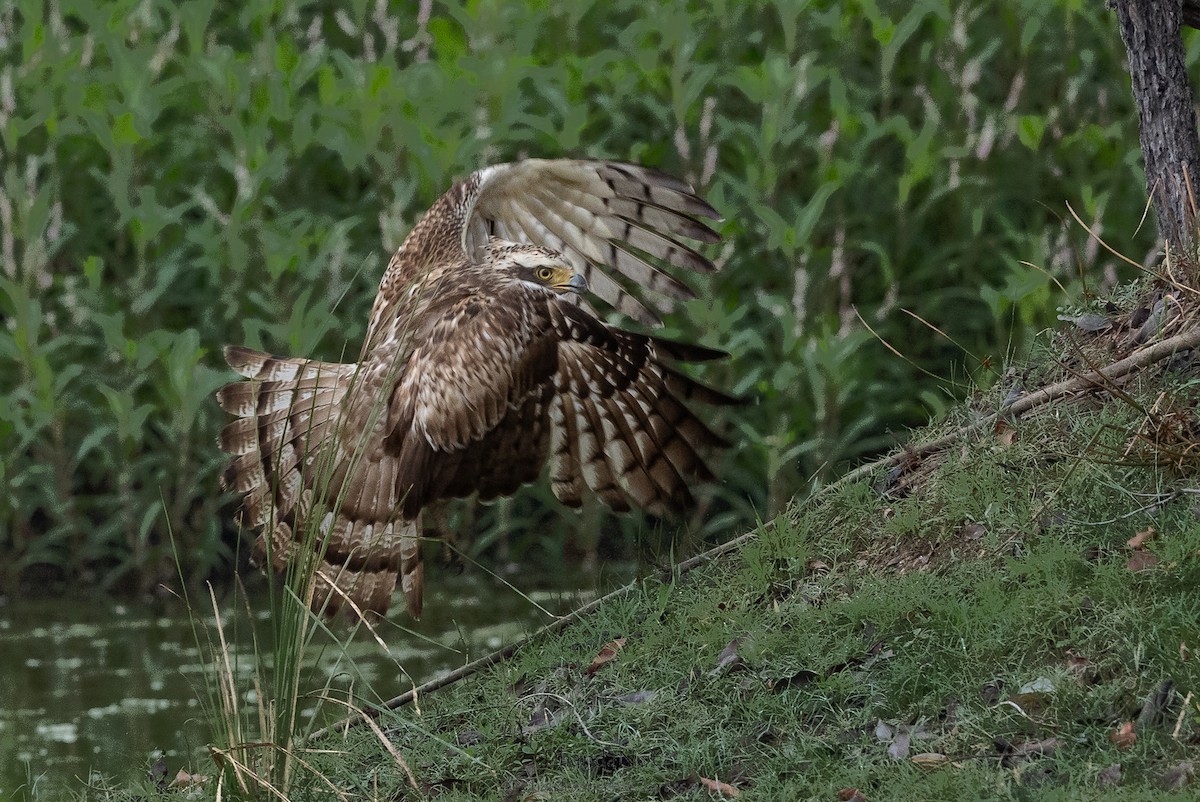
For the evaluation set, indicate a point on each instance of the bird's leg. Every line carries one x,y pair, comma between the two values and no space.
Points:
589,532
503,522
437,526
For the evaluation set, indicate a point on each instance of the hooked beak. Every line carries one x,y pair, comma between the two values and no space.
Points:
578,284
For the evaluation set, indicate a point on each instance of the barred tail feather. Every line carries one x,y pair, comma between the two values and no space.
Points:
283,412
293,459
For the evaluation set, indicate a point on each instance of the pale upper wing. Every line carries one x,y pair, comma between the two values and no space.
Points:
616,223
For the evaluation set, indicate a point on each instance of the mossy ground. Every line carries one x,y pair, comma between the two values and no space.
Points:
988,616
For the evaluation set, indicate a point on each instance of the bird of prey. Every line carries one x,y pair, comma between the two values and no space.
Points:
482,363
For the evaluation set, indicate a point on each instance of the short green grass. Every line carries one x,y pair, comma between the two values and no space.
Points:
991,608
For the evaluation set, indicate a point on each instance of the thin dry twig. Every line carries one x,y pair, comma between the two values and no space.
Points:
387,743
1148,271
1183,711
239,767
228,692
892,348
220,755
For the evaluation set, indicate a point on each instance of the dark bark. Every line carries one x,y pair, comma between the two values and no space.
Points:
1167,116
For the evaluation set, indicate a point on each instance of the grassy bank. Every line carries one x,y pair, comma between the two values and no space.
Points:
1014,616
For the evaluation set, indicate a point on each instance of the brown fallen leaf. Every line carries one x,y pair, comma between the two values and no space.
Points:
724,789
1142,561
1139,540
851,795
1123,737
606,655
1077,664
183,779
1012,755
1043,747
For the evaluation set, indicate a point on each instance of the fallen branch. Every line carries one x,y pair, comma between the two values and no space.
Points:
1097,378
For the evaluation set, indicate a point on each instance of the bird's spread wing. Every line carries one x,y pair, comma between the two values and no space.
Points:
497,381
620,426
524,381
612,221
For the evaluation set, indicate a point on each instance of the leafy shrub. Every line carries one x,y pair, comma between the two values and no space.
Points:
179,176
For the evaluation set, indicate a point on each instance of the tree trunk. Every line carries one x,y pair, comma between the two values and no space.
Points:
1167,116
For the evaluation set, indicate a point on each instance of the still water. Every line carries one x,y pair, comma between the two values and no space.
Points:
100,689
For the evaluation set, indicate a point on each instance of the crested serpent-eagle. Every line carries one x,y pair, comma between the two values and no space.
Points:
481,363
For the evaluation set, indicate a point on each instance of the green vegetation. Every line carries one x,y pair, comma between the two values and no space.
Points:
1011,617
982,628
176,177
179,176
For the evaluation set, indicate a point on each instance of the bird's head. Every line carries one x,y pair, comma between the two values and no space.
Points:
557,277
541,267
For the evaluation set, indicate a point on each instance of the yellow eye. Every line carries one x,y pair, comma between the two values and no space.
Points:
545,273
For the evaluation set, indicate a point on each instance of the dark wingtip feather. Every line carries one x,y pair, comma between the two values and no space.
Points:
664,179
688,352
691,390
237,355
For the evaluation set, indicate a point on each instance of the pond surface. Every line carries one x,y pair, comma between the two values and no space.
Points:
100,689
